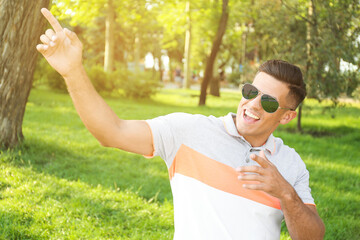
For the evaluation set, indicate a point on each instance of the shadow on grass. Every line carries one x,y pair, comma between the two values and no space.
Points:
338,204
110,168
320,132
15,226
47,207
334,177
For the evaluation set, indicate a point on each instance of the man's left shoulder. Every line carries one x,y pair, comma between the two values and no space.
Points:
285,151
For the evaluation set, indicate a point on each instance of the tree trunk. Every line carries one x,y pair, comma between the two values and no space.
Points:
187,73
215,86
21,24
137,46
308,57
109,38
215,80
214,50
311,30
299,128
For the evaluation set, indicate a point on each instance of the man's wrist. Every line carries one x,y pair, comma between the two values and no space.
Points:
74,73
76,80
289,195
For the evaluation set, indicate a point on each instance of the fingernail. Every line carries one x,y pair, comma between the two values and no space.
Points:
53,38
252,155
240,177
46,47
52,44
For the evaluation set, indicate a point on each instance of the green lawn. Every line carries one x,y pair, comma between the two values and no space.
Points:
61,184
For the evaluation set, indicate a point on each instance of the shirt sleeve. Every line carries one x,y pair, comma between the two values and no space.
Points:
166,136
302,185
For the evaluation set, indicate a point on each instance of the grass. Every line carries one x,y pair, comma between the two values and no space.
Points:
61,184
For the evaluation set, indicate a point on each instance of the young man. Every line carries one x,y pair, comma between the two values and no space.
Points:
230,177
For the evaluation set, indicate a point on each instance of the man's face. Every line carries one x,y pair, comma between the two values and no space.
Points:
248,111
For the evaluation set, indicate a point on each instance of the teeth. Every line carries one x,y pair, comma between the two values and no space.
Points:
251,115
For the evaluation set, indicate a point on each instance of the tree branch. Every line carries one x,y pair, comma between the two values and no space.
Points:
296,12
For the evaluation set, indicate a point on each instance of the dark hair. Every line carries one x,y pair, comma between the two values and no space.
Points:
289,74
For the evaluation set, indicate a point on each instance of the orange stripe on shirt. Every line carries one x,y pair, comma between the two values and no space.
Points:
191,163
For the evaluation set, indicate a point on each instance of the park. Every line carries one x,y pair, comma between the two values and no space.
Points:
58,182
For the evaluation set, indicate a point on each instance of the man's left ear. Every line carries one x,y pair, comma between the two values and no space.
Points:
288,116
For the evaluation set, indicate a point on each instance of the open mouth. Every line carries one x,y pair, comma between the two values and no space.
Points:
250,117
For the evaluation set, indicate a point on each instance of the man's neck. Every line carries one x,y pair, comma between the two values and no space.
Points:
254,141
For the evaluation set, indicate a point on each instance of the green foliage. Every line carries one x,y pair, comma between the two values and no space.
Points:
356,93
100,79
235,78
257,31
134,20
122,81
140,85
130,84
352,82
45,75
247,76
317,42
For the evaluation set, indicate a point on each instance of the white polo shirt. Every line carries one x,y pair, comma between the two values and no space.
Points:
201,154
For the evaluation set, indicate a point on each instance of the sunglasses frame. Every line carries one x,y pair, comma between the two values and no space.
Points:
262,94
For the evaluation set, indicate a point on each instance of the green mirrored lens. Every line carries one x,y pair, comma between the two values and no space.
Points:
269,103
249,91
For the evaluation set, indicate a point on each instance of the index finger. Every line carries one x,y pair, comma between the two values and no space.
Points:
261,160
52,20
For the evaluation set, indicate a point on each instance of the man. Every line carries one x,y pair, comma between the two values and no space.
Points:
221,188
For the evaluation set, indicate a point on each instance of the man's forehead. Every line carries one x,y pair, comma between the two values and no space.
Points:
267,84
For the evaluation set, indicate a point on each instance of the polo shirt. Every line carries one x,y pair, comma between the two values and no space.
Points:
201,154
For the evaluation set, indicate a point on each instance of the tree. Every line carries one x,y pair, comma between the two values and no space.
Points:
331,35
173,23
21,24
214,50
109,38
187,50
129,24
315,35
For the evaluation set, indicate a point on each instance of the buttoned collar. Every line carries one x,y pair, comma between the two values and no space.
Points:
231,129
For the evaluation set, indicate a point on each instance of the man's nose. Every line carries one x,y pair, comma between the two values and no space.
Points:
255,103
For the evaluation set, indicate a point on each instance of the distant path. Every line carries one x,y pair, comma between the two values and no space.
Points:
171,85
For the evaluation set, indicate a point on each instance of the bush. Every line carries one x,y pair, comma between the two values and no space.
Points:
56,81
140,85
356,93
132,84
249,71
234,78
46,75
99,78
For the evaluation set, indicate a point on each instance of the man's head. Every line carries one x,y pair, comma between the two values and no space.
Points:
280,80
289,74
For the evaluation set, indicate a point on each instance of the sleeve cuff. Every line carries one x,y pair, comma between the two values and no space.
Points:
152,139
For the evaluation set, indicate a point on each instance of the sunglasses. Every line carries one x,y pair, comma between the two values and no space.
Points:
268,103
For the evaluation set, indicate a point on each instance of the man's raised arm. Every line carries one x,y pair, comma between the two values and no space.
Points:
63,50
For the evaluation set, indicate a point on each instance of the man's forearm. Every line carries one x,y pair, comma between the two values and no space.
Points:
97,116
301,221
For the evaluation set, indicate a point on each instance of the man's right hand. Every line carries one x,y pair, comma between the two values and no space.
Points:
62,48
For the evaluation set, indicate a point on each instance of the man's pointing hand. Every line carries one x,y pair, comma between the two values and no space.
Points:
62,48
